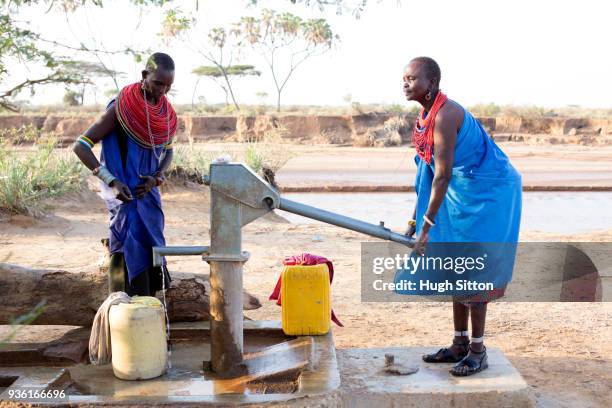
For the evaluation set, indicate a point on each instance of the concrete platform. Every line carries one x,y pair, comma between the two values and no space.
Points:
282,370
364,384
334,378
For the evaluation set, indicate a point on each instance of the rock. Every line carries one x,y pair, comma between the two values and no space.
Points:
393,368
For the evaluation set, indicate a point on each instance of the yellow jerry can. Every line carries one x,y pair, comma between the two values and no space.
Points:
305,300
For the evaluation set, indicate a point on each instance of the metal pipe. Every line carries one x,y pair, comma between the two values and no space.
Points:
160,251
226,319
378,231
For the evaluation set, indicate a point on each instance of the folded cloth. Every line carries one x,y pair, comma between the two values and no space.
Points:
100,340
305,259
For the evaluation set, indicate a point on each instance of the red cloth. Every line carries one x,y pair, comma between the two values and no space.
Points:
423,133
305,259
161,124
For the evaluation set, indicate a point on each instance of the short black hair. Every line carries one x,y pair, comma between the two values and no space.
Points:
160,60
431,67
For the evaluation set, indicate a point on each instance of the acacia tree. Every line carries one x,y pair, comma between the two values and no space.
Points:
222,50
22,46
221,76
89,72
285,38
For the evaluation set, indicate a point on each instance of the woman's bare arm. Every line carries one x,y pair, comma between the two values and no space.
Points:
96,132
448,122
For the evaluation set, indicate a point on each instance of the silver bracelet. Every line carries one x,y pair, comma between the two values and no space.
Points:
104,174
427,220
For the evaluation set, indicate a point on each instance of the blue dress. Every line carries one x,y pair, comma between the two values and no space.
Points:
484,197
137,225
482,207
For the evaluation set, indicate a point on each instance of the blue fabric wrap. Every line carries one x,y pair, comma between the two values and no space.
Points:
482,204
137,225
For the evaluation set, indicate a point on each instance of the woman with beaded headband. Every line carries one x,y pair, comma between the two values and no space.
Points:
468,192
136,132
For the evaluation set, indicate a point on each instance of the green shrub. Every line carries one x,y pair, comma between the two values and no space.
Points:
28,177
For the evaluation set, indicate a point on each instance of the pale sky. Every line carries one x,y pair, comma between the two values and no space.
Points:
522,52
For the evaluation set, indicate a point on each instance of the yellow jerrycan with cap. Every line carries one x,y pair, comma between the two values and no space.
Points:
138,339
305,300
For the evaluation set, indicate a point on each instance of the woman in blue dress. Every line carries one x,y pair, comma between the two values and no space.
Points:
136,133
467,191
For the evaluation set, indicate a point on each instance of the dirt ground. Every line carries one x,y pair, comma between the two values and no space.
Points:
563,350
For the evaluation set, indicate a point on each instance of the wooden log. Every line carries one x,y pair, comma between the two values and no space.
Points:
72,298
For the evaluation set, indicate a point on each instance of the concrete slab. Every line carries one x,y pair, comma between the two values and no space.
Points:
342,378
268,350
364,384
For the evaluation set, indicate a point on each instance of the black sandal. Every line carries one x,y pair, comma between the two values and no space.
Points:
473,365
445,355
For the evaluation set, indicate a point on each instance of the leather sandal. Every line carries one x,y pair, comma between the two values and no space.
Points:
446,355
470,365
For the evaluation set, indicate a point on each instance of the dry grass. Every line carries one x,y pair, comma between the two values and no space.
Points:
530,111
191,161
389,134
28,176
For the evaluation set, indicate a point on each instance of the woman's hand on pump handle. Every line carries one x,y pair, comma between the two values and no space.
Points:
421,242
410,231
411,228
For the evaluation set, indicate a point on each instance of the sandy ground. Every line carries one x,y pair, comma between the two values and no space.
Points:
563,350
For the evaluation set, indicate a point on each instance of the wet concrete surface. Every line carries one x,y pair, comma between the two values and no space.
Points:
279,368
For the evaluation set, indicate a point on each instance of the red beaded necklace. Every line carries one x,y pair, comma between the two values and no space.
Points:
148,125
423,133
